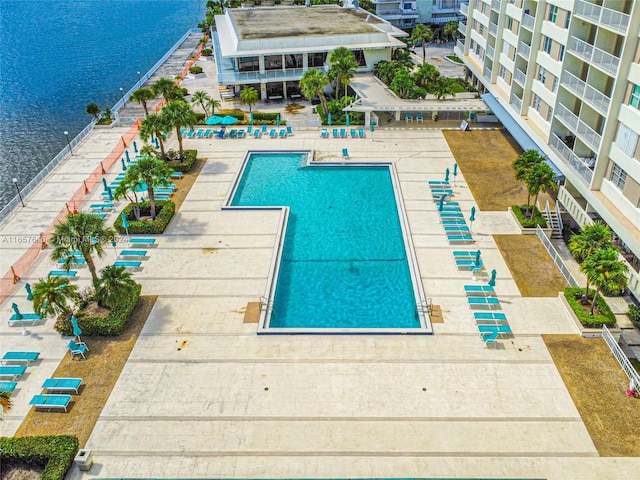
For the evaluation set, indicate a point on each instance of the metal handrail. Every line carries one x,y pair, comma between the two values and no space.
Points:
555,256
616,351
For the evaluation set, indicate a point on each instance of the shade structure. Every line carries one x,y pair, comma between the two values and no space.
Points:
251,117
27,287
455,169
329,120
229,120
125,223
126,153
77,331
104,182
441,202
472,218
157,142
346,121
477,260
124,166
446,175
278,120
135,147
110,193
214,120
19,316
492,280
372,126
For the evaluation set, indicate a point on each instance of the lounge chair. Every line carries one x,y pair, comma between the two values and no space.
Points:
353,132
207,133
345,153
454,222
77,349
459,238
190,133
183,131
466,263
232,133
489,337
8,386
62,384
441,191
160,197
177,175
250,129
12,371
456,228
199,133
465,253
257,133
419,117
497,316
133,253
51,401
282,133
483,301
148,242
30,318
501,329
438,183
63,273
240,133
163,191
335,133
221,134
361,133
273,133
324,133
408,118
451,214
263,129
343,133
20,357
128,264
74,261
289,130
101,206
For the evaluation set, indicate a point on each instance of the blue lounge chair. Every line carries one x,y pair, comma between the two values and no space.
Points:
20,357
199,133
454,222
8,386
257,134
436,190
163,191
177,175
497,316
264,128
419,117
335,133
148,242
459,238
128,264
465,253
466,263
483,301
62,384
30,318
240,133
361,133
233,133
133,253
489,337
289,130
501,329
345,153
160,197
438,183
282,133
101,206
450,214
408,118
221,134
51,401
250,129
183,131
74,261
353,132
77,349
456,228
273,133
12,371
190,133
324,133
343,133
63,273
207,133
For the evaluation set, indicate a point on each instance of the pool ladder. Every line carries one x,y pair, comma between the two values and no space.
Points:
265,304
426,306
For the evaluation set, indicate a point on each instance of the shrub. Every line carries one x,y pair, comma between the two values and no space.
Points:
165,209
206,52
537,219
634,315
606,317
111,325
195,69
56,452
264,116
186,164
200,118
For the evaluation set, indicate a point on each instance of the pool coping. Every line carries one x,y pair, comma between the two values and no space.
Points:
266,301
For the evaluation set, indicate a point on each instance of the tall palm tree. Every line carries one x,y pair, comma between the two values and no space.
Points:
593,237
213,103
343,67
81,231
113,286
403,56
165,87
422,34
605,270
153,126
249,96
93,109
312,83
142,96
202,98
450,29
129,188
152,171
442,88
53,295
426,75
540,179
177,114
523,165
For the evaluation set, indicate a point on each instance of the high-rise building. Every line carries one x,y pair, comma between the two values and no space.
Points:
564,76
408,13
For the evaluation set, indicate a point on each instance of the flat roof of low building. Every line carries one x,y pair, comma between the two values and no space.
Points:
265,22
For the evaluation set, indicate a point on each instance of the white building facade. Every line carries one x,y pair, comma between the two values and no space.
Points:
408,13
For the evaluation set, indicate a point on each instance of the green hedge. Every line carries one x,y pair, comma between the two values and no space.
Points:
110,326
634,315
185,166
537,219
206,52
265,116
56,452
195,69
574,295
200,118
164,213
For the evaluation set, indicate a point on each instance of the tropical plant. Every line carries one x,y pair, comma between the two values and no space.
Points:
107,116
93,109
450,29
312,83
343,68
213,103
5,402
605,270
402,83
113,286
177,114
442,88
249,96
85,232
128,188
149,170
201,98
524,164
422,34
165,87
386,71
53,296
153,126
541,178
142,96
402,56
426,75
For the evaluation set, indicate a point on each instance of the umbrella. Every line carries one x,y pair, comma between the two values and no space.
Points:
27,287
124,165
135,147
125,224
446,175
346,120
492,280
477,261
229,120
126,152
214,120
372,125
472,217
455,169
104,182
251,117
110,193
77,331
278,120
441,202
329,119
18,315
157,142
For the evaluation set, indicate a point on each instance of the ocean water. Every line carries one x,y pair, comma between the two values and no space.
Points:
58,56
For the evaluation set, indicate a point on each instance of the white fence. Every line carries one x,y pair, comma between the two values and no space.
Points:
634,377
557,259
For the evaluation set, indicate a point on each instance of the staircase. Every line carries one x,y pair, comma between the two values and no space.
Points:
554,220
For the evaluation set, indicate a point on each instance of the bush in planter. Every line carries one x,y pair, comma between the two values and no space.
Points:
206,52
187,162
56,452
196,69
634,315
165,209
537,219
200,118
606,317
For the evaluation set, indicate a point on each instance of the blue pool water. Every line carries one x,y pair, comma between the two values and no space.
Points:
344,263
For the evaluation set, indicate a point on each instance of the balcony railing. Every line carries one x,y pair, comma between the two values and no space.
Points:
495,5
516,102
581,129
487,72
460,45
613,19
289,73
571,159
594,55
525,50
462,28
519,76
528,21
582,90
464,9
490,51
493,29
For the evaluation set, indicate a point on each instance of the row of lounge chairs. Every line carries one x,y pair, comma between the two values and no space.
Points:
342,133
451,216
239,133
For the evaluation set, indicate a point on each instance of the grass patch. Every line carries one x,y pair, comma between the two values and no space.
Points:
53,452
530,265
525,222
602,313
455,59
597,387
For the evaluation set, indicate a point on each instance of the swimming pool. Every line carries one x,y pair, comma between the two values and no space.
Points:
343,264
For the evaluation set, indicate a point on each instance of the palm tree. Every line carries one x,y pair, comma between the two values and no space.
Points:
129,188
422,34
442,87
113,286
426,75
153,126
81,231
93,109
177,114
164,87
593,237
523,165
202,98
402,84
343,67
150,170
5,401
142,96
53,295
450,28
249,96
312,83
403,56
605,270
540,179
213,103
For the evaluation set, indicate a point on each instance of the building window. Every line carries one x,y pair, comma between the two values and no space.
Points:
546,47
627,140
359,54
549,114
542,74
509,23
505,49
483,8
555,84
561,56
634,101
567,20
481,29
503,72
618,176
553,13
317,59
407,6
536,102
248,64
273,62
293,60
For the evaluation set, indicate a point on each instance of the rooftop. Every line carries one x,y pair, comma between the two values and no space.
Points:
321,20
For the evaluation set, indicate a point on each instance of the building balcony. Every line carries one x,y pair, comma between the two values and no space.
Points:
460,46
571,159
586,92
588,135
598,15
524,50
519,76
464,9
490,52
495,5
493,29
516,102
462,28
233,77
528,21
590,54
